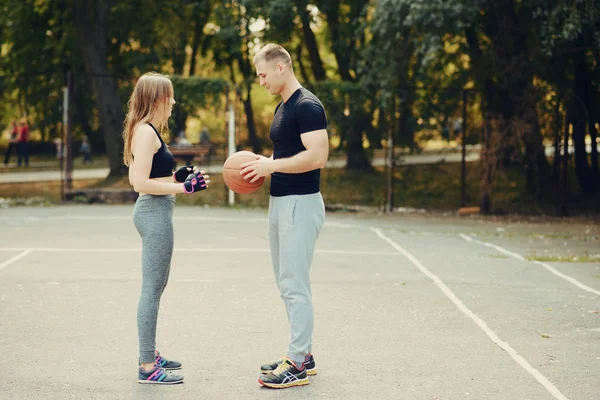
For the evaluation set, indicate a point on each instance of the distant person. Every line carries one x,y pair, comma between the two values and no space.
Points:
12,142
86,150
204,137
59,147
151,167
181,140
23,144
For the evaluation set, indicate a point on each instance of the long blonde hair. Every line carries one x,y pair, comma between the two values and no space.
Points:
150,99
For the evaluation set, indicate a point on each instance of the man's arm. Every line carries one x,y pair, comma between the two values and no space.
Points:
314,157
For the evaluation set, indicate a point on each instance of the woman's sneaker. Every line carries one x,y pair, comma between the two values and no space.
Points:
158,375
309,364
286,375
166,364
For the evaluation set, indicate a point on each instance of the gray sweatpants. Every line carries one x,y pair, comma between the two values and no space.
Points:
294,225
153,219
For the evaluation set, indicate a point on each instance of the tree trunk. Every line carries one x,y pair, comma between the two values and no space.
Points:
405,131
179,116
178,54
91,21
594,137
343,45
356,156
563,207
557,136
339,47
303,72
310,41
536,164
487,169
247,77
582,168
256,146
579,118
81,112
200,17
195,45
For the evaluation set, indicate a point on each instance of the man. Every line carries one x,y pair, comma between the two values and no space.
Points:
296,209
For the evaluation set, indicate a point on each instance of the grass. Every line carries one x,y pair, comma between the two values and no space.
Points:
497,256
565,259
431,187
49,192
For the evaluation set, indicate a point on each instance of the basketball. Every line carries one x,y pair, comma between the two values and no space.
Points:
231,173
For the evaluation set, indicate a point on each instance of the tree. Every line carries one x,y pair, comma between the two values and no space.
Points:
570,42
502,59
345,24
231,45
91,20
173,40
309,40
34,62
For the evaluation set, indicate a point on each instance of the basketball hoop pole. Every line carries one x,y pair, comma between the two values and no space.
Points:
67,163
231,144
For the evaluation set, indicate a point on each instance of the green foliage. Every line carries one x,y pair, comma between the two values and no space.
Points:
519,59
348,105
562,22
280,15
193,92
36,52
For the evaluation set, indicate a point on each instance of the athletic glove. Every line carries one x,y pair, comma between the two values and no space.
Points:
182,173
194,183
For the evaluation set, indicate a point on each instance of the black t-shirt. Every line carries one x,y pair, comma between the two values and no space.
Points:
301,113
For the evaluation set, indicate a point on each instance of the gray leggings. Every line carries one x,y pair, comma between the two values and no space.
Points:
294,225
153,219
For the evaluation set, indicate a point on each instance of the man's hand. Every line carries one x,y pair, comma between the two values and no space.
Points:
254,170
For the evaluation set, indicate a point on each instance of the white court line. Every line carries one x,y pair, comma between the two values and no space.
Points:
547,266
15,258
191,250
462,307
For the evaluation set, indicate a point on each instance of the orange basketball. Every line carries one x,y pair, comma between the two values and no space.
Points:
231,173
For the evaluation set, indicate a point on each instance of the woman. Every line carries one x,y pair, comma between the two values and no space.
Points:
151,167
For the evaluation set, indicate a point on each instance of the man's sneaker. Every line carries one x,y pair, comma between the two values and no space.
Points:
309,364
158,375
166,364
286,375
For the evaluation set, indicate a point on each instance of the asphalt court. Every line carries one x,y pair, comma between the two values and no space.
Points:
405,308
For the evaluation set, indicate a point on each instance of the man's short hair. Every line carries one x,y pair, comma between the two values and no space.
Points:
273,52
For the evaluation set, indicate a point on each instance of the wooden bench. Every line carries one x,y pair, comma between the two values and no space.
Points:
198,152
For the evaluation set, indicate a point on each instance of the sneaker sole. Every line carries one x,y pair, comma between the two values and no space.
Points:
309,372
158,383
300,382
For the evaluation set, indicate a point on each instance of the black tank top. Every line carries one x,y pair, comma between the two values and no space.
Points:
163,161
